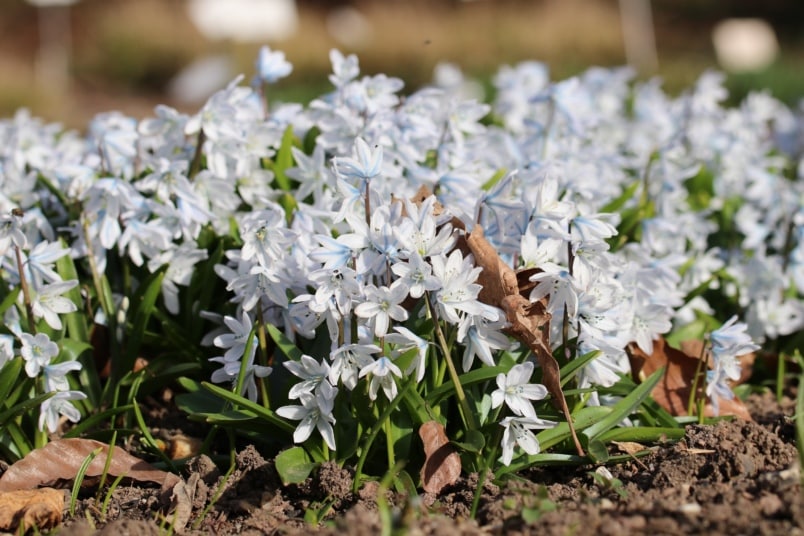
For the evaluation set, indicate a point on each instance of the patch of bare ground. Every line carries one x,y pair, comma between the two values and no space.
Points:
734,477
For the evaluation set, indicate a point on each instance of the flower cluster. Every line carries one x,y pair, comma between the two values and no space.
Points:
341,225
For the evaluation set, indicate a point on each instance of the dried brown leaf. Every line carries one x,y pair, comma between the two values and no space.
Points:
629,447
497,278
527,320
59,461
40,508
673,390
442,465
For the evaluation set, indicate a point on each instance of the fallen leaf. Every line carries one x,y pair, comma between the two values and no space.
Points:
26,509
527,321
673,390
181,505
58,462
497,278
629,447
442,465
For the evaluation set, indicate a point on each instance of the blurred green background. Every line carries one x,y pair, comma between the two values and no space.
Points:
123,54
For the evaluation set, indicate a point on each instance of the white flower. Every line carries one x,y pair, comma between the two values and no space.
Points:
309,370
180,262
366,165
516,390
518,432
56,375
59,404
480,337
382,373
230,372
315,412
10,233
561,287
732,339
48,303
416,275
407,340
6,349
37,352
347,362
382,306
272,65
235,342
458,291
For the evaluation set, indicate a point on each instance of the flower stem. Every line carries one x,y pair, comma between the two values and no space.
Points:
26,292
469,417
694,398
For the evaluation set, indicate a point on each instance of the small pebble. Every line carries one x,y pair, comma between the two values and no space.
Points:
690,509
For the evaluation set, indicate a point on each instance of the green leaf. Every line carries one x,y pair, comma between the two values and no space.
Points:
294,465
92,422
616,204
597,451
284,160
72,349
9,300
230,417
79,478
572,368
624,407
199,402
76,322
478,375
22,407
9,375
142,306
283,343
473,442
263,413
77,350
492,182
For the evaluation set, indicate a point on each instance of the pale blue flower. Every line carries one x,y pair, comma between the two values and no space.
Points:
517,392
315,412
37,351
271,65
518,433
366,164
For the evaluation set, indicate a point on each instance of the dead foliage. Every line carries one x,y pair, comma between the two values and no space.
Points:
442,465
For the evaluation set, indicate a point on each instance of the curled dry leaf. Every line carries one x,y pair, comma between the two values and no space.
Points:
442,465
58,463
673,390
528,321
509,290
26,509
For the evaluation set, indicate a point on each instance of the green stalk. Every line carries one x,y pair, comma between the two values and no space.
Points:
266,359
375,429
468,416
241,376
699,370
26,292
389,443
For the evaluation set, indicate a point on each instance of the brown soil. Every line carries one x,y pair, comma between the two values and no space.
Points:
734,477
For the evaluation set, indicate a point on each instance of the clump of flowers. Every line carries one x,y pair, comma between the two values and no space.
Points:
346,271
